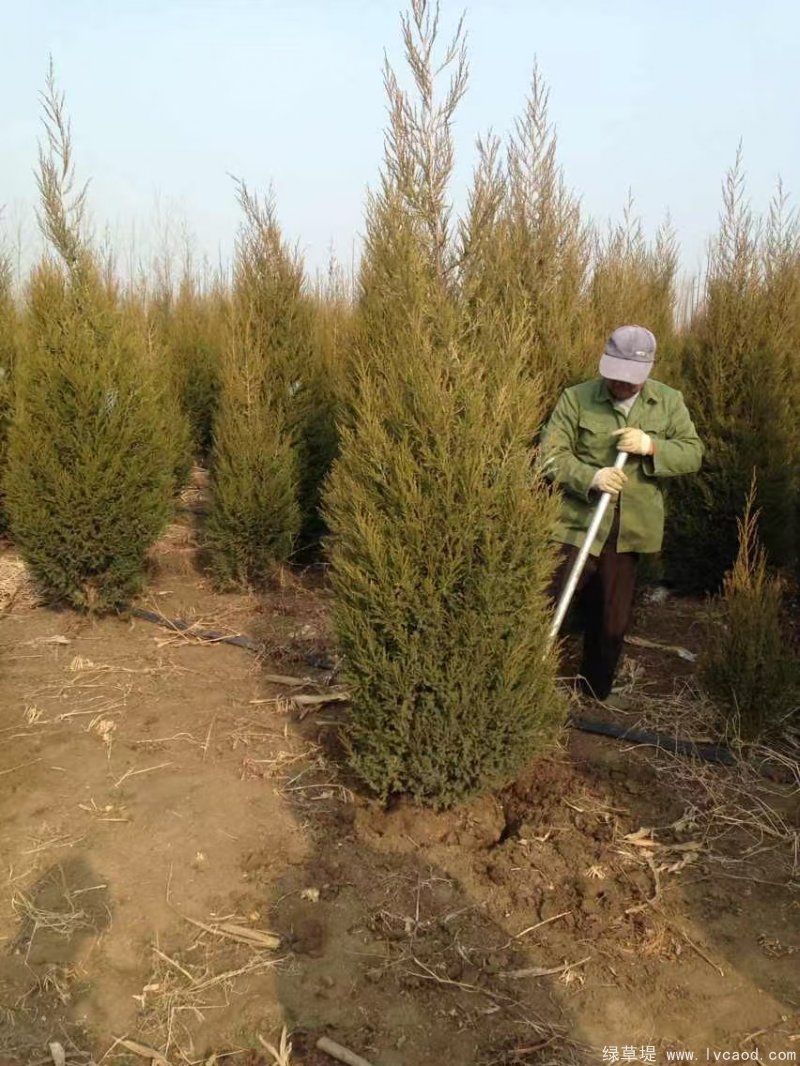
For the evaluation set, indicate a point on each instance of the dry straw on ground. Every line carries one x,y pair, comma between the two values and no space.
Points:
175,552
65,922
180,992
17,590
738,812
282,1054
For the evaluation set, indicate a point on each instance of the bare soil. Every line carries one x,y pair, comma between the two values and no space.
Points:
157,790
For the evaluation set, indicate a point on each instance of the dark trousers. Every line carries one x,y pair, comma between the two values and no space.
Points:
606,590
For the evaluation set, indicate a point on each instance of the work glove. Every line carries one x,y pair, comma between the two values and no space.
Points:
634,441
609,479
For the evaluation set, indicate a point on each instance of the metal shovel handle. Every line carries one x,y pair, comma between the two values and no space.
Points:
580,560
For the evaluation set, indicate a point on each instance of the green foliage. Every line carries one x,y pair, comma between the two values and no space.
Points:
750,432
90,456
440,549
8,347
746,665
525,250
738,368
255,514
89,479
195,334
440,564
325,393
781,329
634,281
133,306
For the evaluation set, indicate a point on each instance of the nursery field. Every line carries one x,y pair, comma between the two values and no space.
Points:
186,871
291,769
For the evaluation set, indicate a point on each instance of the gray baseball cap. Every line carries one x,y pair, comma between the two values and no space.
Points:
629,355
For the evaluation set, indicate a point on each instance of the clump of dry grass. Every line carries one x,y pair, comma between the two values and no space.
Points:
547,1051
64,922
52,981
277,765
230,620
180,992
17,589
300,770
175,551
742,816
95,691
282,1054
686,713
194,494
741,811
25,1033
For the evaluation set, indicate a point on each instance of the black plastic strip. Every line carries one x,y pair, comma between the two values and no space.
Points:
182,626
709,752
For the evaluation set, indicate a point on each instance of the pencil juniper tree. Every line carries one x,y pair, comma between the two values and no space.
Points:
323,398
524,248
192,331
747,665
8,348
89,481
440,524
255,514
740,379
550,243
779,486
133,305
633,280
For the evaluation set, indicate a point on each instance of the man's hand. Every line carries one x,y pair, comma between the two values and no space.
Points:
634,441
609,479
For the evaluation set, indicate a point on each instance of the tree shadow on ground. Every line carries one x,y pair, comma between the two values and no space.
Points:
66,906
396,957
409,929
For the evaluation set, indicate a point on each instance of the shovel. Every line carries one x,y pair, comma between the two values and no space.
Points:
580,560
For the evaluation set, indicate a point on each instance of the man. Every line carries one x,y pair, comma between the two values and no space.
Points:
621,410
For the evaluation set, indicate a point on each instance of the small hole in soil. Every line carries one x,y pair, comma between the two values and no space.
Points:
509,830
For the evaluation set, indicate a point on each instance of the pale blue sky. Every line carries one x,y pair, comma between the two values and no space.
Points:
169,97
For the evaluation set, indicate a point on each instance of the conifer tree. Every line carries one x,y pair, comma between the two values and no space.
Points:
8,347
739,383
192,327
89,481
525,249
747,665
634,281
440,545
324,400
779,484
255,513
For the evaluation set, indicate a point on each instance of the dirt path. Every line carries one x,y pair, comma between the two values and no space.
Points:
147,779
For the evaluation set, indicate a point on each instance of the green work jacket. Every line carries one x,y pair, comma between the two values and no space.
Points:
578,440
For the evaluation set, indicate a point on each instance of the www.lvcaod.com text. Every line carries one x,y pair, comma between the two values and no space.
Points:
709,1055
649,1055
